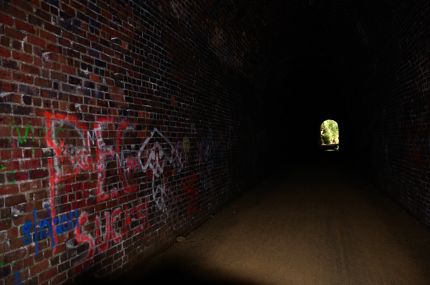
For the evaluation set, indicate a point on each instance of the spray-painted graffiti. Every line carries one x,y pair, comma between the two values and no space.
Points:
11,174
134,220
34,231
22,138
17,280
154,155
178,9
117,148
207,151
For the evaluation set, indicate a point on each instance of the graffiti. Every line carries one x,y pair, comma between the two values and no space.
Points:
58,130
71,159
18,280
117,148
104,154
11,174
186,145
131,165
154,155
135,219
23,138
177,9
127,159
4,94
35,231
13,177
206,159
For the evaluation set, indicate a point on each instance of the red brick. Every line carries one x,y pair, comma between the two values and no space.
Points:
30,69
5,74
7,87
68,69
25,5
30,164
16,13
20,176
10,32
23,78
20,25
36,41
61,278
48,274
14,200
39,173
39,267
42,82
47,36
22,57
8,189
115,85
4,19
4,52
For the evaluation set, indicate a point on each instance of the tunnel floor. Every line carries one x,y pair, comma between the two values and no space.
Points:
317,225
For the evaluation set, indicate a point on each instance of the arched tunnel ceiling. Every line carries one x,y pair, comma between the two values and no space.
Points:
316,48
308,60
312,60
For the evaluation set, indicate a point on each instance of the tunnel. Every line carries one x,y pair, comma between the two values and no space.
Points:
182,141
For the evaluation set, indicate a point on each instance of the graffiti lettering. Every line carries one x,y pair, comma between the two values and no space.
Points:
34,231
114,144
23,138
154,155
135,215
18,280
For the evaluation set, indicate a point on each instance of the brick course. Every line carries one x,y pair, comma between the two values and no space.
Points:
121,111
401,126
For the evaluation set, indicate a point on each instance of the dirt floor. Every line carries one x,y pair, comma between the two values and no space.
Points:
314,226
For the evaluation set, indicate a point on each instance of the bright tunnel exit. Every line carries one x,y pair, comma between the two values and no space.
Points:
329,135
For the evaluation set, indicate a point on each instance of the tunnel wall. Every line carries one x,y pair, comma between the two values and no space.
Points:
401,125
119,130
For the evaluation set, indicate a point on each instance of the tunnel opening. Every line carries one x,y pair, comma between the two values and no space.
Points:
329,135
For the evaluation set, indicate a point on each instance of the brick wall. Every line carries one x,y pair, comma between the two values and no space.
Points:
118,126
402,140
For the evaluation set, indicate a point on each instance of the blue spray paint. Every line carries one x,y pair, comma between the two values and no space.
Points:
34,231
18,280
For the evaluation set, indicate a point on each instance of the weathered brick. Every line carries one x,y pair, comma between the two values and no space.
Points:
30,69
10,32
4,19
20,25
36,41
15,200
22,57
4,52
80,73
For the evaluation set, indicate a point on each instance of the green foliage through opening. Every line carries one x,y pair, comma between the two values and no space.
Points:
329,132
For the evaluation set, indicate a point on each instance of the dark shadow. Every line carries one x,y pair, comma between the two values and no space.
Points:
174,270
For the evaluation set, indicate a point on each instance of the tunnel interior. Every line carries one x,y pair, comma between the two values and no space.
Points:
128,124
323,60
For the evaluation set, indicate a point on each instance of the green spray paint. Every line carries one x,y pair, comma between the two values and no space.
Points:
23,138
13,180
